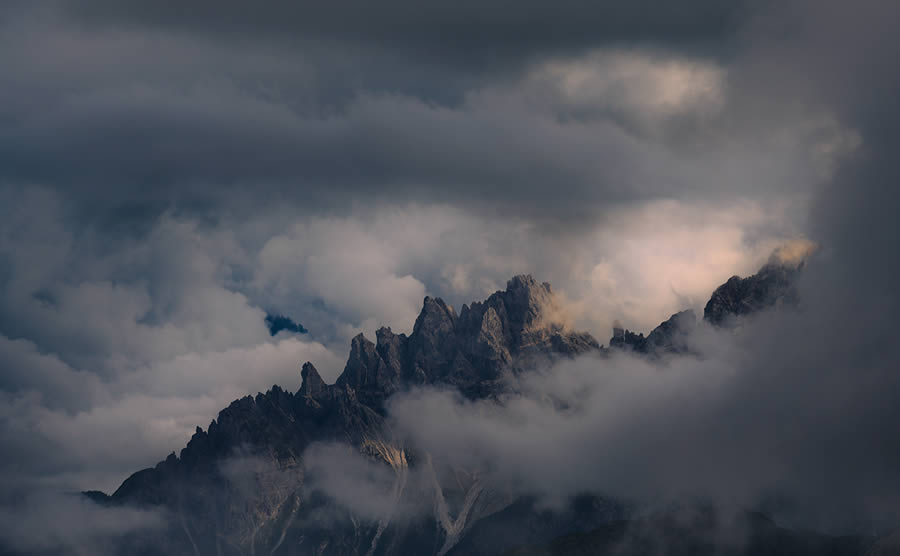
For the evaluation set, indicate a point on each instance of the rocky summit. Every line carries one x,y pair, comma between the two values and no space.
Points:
772,285
241,486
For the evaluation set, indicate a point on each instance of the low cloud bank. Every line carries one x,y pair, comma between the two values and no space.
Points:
70,524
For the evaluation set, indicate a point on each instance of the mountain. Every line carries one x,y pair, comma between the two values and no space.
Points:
671,336
242,486
772,285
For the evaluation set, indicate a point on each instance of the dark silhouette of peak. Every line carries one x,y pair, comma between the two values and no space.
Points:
773,285
312,384
96,496
671,336
435,314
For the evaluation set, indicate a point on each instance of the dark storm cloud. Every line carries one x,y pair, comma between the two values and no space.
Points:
467,31
855,213
143,107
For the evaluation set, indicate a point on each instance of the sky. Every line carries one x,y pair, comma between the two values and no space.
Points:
172,172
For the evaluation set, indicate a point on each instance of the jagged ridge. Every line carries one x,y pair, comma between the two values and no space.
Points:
474,351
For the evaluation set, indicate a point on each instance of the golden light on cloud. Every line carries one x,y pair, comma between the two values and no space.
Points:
794,252
667,256
636,80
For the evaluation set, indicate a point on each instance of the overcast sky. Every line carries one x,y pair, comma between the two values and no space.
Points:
170,172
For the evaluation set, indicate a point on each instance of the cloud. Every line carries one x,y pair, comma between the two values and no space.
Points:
513,31
609,121
348,268
161,294
137,419
370,489
70,524
260,484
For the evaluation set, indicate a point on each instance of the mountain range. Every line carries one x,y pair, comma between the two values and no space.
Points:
243,486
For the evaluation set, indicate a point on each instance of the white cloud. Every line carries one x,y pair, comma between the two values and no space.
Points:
70,524
645,83
349,266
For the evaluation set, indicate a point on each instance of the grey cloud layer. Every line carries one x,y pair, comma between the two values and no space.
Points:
144,117
462,31
69,524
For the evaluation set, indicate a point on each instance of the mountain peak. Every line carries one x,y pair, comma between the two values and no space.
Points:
361,361
312,383
524,282
436,315
772,285
530,304
670,336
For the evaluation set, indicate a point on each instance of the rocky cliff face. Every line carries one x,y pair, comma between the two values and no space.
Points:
240,487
